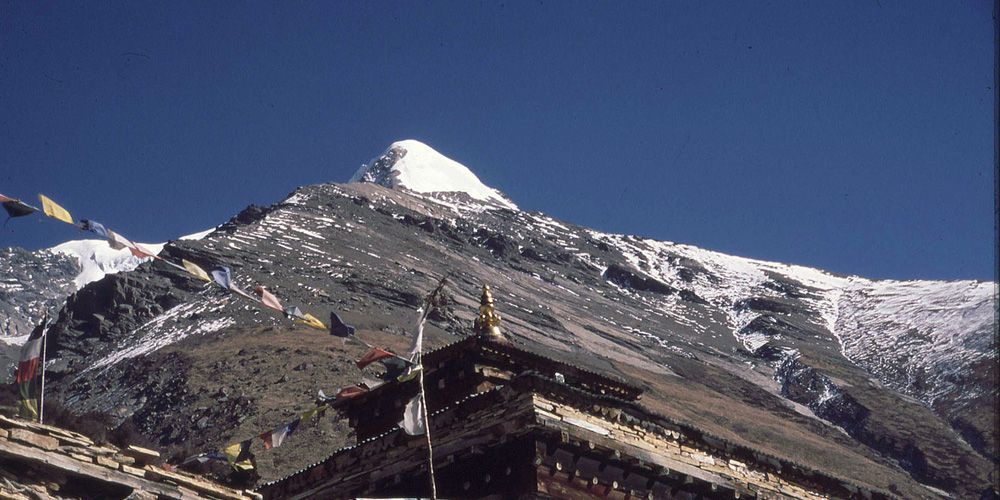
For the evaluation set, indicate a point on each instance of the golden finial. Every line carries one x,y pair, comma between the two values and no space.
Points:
488,321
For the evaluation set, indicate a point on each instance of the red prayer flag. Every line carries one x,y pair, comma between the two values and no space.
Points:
31,356
374,355
350,392
140,252
28,371
266,438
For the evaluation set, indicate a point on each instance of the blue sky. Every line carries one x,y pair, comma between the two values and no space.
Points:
856,137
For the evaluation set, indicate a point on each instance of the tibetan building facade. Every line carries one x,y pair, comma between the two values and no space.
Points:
508,422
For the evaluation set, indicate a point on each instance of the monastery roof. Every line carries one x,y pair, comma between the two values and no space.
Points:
601,383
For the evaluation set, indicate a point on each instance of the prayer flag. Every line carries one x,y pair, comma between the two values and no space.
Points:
212,455
95,227
195,270
268,438
29,385
18,209
350,392
422,313
374,355
321,398
141,252
338,328
304,318
319,410
413,417
222,276
395,367
117,241
202,458
370,383
410,373
418,340
268,299
52,209
310,320
238,455
15,207
294,312
273,439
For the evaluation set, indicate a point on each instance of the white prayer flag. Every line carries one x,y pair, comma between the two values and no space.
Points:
413,417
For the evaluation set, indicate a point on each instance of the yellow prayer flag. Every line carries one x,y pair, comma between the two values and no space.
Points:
232,451
28,409
237,451
311,413
244,465
410,374
52,209
310,320
196,270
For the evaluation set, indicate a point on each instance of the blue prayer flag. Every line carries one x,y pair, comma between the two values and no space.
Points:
222,276
95,227
338,328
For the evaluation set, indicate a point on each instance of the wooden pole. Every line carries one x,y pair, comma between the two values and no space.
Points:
427,430
41,402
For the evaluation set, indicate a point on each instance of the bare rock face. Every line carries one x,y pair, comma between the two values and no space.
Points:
32,283
761,353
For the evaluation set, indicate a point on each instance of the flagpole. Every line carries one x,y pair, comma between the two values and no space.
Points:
41,402
427,430
417,357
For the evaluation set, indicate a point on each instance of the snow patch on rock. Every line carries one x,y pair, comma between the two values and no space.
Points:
922,338
199,235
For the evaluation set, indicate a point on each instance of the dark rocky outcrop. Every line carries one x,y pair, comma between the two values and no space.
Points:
913,443
763,304
626,278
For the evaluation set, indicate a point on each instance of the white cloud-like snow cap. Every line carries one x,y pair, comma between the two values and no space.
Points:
97,258
419,168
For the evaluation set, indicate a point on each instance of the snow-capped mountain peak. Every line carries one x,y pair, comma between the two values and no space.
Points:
417,167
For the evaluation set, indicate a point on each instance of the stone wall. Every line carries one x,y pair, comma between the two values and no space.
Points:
42,461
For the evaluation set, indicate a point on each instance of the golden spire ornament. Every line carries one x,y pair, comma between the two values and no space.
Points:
488,321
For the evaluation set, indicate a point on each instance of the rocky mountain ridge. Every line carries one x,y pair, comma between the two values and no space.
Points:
31,284
890,383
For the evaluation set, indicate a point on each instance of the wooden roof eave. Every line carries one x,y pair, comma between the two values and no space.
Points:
609,385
